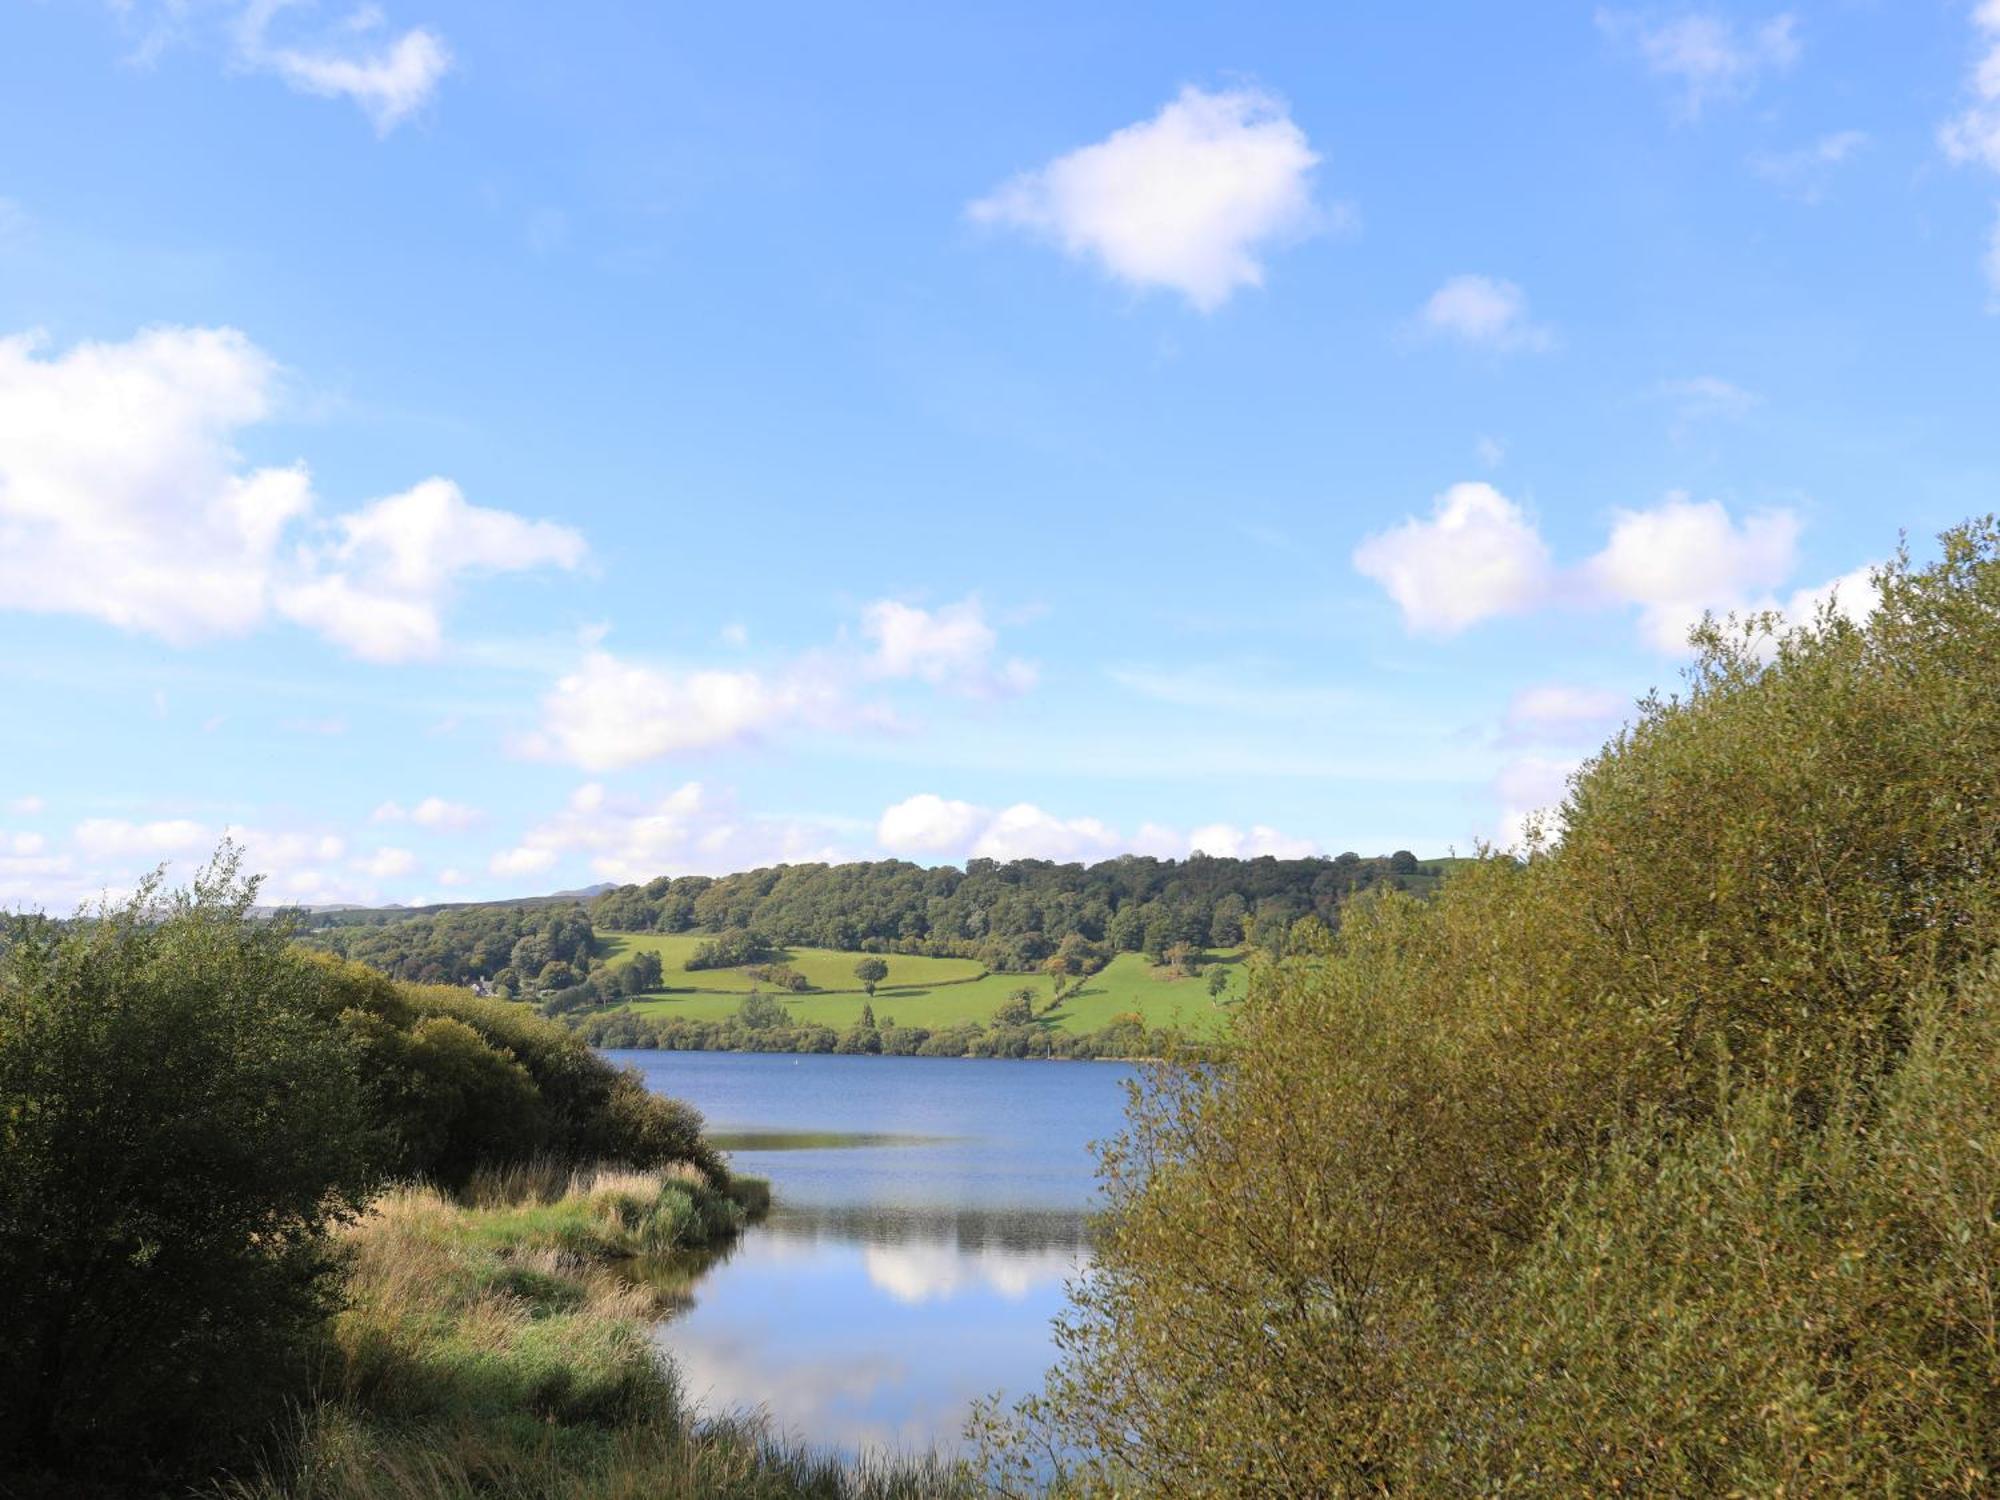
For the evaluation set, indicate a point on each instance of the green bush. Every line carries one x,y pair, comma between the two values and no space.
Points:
456,1079
1760,1303
1660,1160
178,1129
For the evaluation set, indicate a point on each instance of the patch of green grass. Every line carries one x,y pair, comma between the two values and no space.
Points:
504,1349
826,969
1127,985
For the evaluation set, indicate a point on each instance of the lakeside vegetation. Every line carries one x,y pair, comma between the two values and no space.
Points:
500,1344
277,1225
1665,1162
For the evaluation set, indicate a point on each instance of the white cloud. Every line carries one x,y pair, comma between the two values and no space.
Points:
1490,452
690,831
1188,200
452,877
1226,841
1531,791
1853,595
928,824
1974,136
521,861
1683,558
109,855
123,498
26,807
1709,56
1557,709
1807,172
951,646
380,587
1485,312
611,713
1025,831
118,838
916,1271
120,495
435,812
386,863
1479,555
390,80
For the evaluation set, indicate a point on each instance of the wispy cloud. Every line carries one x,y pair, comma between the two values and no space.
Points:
1708,56
390,78
1973,136
1807,172
1487,313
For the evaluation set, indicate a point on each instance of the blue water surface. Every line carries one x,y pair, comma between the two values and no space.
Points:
905,1271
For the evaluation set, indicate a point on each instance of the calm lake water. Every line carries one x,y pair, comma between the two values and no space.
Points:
927,1212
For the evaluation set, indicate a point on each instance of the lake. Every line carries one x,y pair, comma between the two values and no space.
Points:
926,1214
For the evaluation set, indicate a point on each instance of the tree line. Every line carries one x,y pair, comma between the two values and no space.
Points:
1009,916
762,1024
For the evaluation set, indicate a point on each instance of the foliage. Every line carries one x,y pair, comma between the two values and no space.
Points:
1010,917
513,944
500,1344
774,1029
779,976
731,948
1663,1162
178,1129
456,1080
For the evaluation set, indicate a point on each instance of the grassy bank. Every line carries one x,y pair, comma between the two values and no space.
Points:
499,1343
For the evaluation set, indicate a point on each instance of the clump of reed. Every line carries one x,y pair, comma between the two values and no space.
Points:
500,1343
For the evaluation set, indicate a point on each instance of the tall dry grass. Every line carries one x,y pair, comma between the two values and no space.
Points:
499,1344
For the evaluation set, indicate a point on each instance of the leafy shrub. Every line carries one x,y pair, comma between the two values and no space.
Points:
457,1079
1660,1161
178,1130
730,948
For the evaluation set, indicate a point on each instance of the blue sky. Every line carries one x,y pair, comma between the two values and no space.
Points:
474,450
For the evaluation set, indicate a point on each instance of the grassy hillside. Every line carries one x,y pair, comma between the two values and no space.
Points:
933,992
825,969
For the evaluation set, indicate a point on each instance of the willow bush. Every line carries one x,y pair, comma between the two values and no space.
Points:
1657,1158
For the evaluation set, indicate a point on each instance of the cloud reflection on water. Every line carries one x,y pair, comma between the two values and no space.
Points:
867,1328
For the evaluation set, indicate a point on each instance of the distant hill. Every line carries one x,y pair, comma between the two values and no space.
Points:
585,894
1008,917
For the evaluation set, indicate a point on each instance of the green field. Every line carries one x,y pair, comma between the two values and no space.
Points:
825,969
932,992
